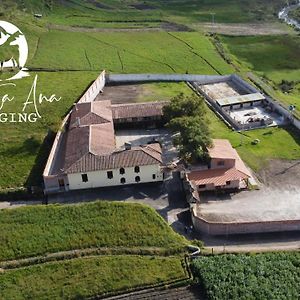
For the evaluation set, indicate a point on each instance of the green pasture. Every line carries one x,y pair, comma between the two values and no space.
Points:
38,230
83,278
254,276
129,52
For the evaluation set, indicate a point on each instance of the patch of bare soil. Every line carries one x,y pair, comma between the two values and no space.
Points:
244,29
281,173
121,94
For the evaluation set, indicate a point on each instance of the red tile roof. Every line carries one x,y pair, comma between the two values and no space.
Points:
90,142
222,149
218,177
136,110
137,156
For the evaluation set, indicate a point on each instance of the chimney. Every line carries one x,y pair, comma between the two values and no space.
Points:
127,146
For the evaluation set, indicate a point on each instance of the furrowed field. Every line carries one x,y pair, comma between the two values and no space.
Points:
38,230
82,278
259,276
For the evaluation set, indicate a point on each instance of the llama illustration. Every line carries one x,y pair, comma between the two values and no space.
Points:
9,49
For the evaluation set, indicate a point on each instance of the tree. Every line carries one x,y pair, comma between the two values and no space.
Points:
186,116
180,106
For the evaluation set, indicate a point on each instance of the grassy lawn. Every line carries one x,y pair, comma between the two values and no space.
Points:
161,91
82,278
38,230
259,276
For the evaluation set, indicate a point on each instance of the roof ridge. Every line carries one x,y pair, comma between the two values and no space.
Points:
92,111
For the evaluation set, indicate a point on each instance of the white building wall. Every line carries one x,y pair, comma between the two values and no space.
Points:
100,179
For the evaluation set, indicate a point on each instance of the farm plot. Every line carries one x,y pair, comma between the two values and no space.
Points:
37,230
129,52
83,278
260,276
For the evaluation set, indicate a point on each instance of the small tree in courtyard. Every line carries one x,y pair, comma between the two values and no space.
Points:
186,116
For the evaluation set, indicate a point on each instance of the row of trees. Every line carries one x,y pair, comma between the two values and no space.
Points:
187,117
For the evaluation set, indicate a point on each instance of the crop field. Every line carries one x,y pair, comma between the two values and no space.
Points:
38,230
259,276
130,52
82,278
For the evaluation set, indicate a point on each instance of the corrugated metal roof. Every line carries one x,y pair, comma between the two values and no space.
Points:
240,99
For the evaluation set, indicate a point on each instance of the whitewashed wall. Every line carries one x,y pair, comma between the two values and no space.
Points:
99,178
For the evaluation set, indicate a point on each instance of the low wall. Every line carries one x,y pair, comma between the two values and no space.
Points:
95,88
130,78
217,228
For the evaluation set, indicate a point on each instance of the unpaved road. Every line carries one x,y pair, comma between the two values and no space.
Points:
244,29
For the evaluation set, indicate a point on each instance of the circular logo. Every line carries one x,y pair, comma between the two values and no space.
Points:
13,52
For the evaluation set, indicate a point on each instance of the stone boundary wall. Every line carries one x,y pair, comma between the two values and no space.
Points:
131,78
95,88
228,228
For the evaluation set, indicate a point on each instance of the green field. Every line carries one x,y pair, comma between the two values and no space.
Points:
82,278
259,276
131,52
38,230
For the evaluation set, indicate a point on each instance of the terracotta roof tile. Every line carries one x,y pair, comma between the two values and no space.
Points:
90,143
136,110
125,158
218,177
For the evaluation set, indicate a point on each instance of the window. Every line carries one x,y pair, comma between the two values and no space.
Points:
123,180
228,182
221,163
110,174
84,178
137,179
137,169
122,171
202,186
153,176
